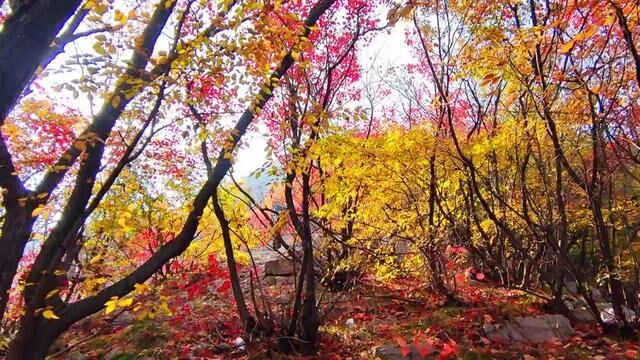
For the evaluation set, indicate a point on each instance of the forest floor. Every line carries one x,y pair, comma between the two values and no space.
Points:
196,319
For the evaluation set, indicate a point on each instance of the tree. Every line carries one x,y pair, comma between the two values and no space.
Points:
46,314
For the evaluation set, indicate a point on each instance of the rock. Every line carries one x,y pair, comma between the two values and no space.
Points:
285,281
583,314
532,329
282,300
278,267
351,323
599,296
240,344
268,281
124,318
393,352
608,315
571,286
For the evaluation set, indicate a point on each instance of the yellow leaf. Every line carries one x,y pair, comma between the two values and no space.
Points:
51,293
566,47
110,305
89,5
295,55
95,259
125,302
37,211
99,49
588,33
80,145
49,314
140,287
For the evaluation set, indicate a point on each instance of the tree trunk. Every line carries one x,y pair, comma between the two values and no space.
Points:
309,320
15,235
26,38
247,321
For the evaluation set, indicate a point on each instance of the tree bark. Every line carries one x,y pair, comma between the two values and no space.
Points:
247,321
26,38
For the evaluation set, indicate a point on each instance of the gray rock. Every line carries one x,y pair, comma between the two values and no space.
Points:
583,314
599,296
124,318
285,281
268,281
532,329
571,286
393,352
278,267
608,315
282,300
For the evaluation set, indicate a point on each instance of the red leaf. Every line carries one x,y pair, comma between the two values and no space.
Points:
224,287
423,349
405,351
423,344
449,348
403,345
401,341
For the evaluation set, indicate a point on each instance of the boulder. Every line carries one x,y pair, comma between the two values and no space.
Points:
608,315
124,318
278,267
393,352
285,281
583,314
531,329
